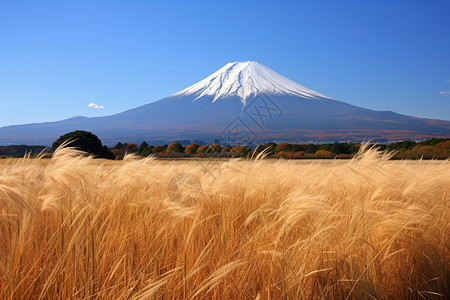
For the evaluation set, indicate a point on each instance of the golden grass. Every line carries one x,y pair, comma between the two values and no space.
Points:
360,229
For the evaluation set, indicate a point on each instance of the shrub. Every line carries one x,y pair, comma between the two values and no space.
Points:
325,154
280,154
295,155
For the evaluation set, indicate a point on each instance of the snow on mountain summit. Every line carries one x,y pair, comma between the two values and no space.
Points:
244,79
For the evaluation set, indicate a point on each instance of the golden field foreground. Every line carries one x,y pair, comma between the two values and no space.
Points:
74,227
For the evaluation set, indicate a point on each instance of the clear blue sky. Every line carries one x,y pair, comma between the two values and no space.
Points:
56,57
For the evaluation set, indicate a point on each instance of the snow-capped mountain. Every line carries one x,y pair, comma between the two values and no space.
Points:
241,103
245,79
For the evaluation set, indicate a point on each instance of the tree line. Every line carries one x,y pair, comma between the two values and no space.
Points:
88,142
432,148
22,150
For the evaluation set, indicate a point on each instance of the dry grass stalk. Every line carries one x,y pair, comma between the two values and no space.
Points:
360,229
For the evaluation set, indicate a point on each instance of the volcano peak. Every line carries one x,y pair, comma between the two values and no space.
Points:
244,79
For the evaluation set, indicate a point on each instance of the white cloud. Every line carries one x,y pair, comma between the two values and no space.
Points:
445,92
93,105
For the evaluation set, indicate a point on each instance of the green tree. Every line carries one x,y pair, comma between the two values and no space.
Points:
408,145
433,141
85,141
297,148
311,148
144,149
354,148
131,147
339,148
269,148
119,145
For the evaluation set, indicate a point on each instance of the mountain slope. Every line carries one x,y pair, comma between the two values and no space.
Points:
240,103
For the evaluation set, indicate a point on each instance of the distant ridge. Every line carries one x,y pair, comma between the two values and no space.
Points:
241,103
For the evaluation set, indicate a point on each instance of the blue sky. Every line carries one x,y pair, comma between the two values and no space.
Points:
57,57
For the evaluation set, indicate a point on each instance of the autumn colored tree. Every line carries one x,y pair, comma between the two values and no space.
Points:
280,154
192,149
324,154
226,149
202,149
419,151
282,147
442,149
131,147
214,148
117,153
240,150
443,145
295,155
175,147
158,148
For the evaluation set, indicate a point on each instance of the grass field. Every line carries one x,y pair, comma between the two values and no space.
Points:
366,228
